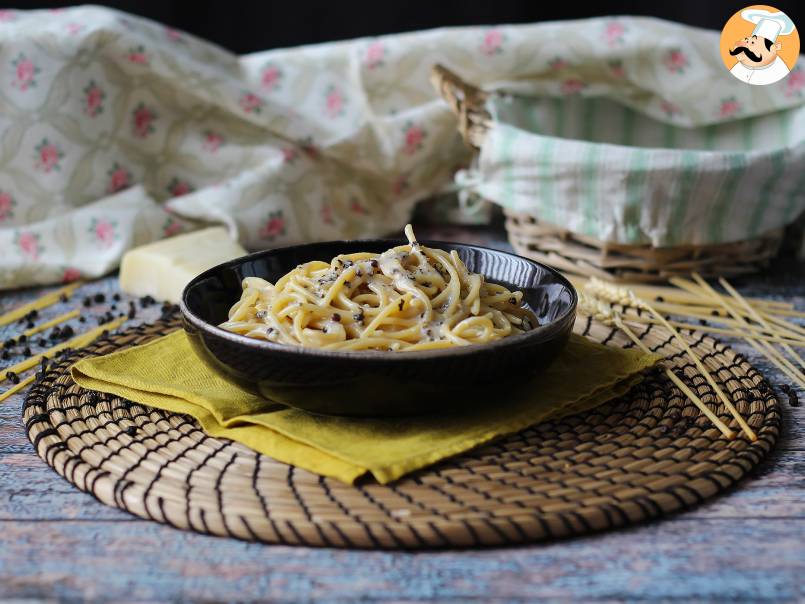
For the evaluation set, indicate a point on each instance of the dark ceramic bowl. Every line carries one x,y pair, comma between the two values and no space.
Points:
373,383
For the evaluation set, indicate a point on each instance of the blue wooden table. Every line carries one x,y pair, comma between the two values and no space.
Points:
59,543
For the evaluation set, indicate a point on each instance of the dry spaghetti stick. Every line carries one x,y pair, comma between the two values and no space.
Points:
732,291
79,341
54,321
619,293
673,295
725,430
607,314
642,319
41,302
766,349
17,387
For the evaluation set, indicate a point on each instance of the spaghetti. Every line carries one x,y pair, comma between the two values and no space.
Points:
408,298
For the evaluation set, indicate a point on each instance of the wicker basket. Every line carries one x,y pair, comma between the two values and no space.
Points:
583,255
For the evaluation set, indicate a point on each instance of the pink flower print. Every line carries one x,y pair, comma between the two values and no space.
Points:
212,141
7,16
119,179
74,28
25,72
669,108
613,33
178,187
93,99
558,64
270,77
334,102
676,61
274,226
174,35
251,103
48,156
413,138
374,55
572,86
7,204
356,207
28,244
616,68
70,274
729,107
172,227
104,231
795,82
289,155
137,55
326,213
142,121
492,43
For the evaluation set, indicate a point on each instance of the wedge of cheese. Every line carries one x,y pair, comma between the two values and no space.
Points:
162,269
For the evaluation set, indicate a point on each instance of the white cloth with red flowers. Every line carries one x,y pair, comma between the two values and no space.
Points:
115,130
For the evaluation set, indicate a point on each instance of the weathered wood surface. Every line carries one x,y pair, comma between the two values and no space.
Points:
59,543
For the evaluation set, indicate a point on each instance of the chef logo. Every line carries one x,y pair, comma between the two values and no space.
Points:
759,45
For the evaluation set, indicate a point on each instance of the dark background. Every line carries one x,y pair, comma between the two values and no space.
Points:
251,26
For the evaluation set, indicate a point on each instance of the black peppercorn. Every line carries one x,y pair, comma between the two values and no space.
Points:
63,298
87,302
82,319
9,343
42,342
67,332
13,377
116,297
793,399
99,298
131,430
5,355
22,339
30,325
26,351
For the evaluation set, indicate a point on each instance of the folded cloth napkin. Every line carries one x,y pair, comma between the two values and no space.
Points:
166,374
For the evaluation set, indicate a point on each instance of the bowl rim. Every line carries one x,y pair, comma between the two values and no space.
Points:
542,332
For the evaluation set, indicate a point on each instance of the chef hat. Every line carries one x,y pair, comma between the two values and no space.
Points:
767,24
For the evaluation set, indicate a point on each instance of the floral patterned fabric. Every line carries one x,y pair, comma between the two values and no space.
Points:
115,130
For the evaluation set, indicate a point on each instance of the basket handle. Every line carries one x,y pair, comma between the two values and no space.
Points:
468,102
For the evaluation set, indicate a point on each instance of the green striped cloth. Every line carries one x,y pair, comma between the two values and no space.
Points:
603,170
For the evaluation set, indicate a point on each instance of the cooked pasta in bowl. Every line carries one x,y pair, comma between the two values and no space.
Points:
379,327
408,298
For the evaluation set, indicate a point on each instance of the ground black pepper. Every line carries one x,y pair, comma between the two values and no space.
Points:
793,399
63,298
26,351
82,319
5,355
13,377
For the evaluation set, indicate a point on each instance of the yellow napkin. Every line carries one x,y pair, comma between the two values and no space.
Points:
166,374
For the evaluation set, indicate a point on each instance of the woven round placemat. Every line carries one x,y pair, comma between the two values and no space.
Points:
644,455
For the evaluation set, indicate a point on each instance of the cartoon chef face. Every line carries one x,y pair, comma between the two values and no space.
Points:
755,51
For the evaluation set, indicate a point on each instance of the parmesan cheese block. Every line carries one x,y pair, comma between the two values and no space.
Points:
162,269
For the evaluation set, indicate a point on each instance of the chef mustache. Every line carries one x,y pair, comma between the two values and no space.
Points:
743,49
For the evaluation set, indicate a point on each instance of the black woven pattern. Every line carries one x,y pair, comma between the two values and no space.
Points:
644,455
